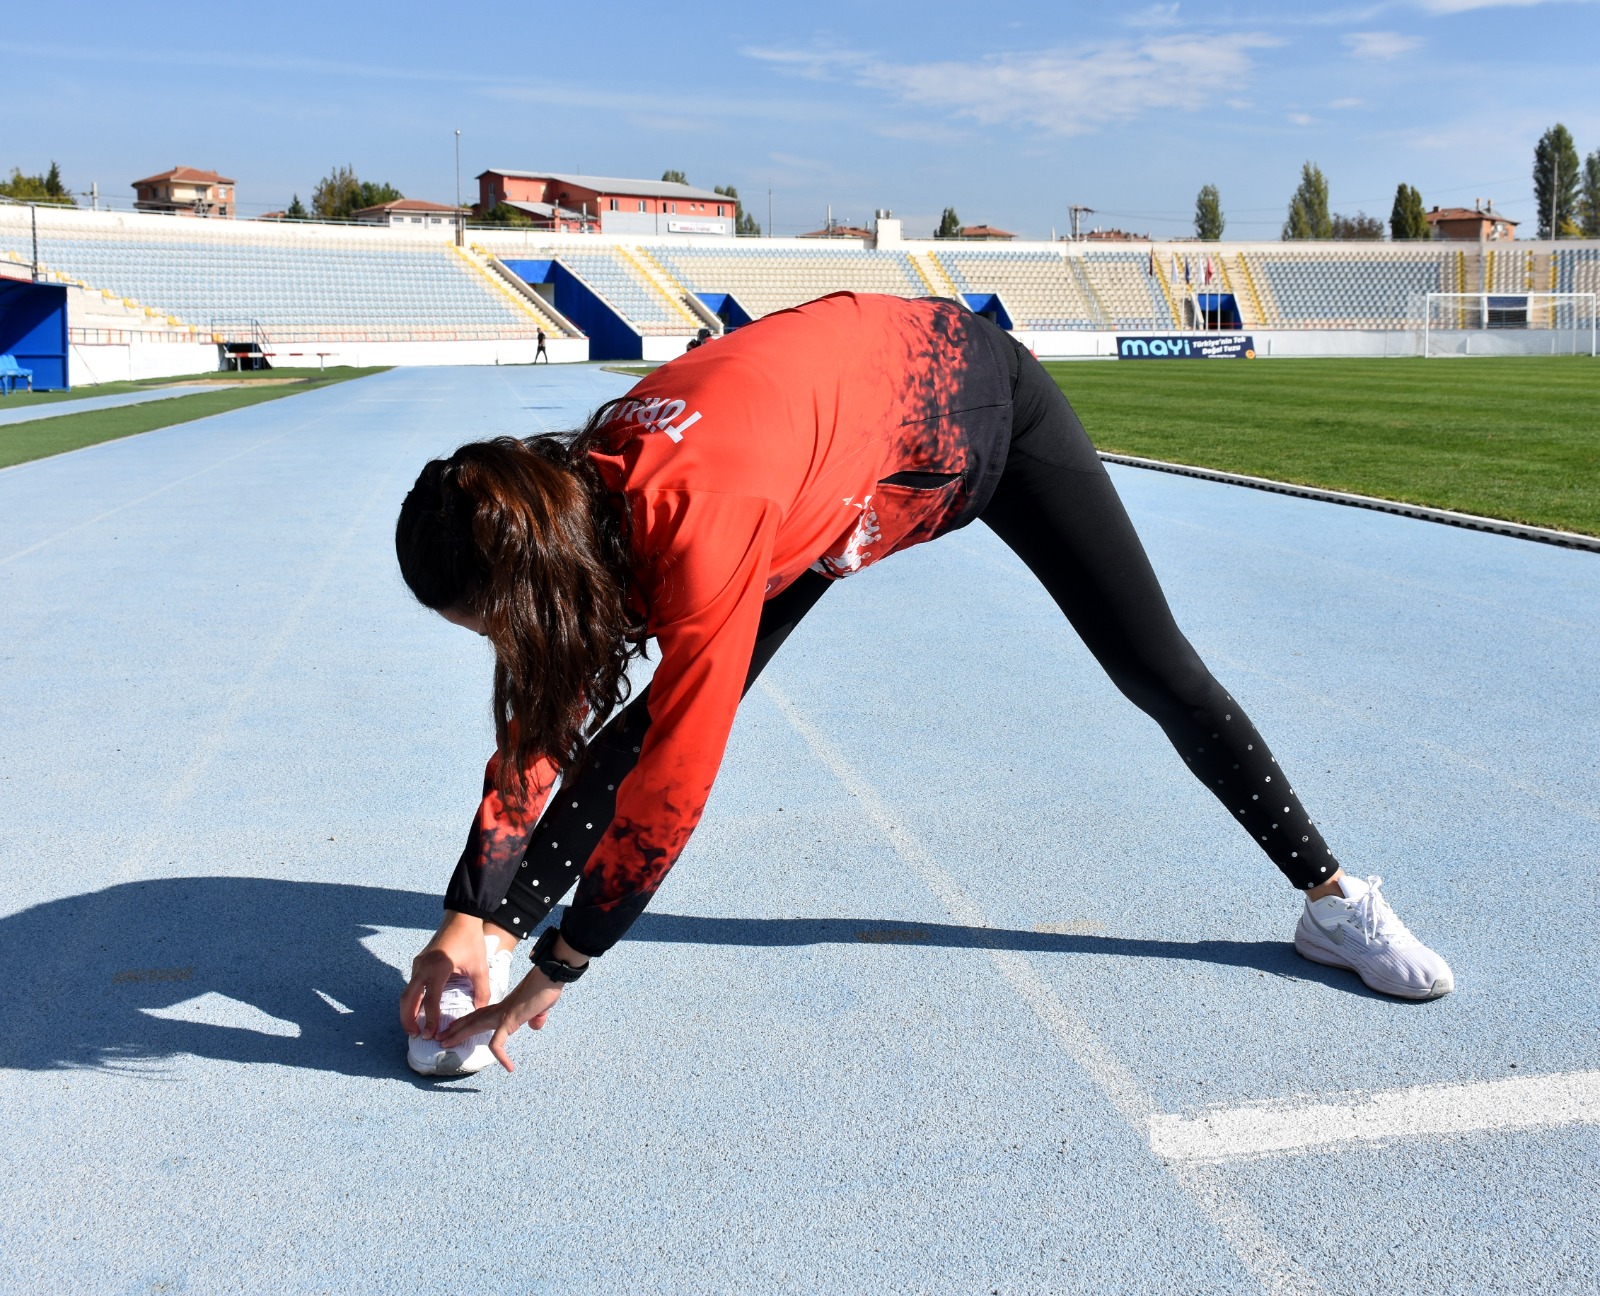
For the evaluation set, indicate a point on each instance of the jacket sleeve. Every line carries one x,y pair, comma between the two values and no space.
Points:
496,842
712,554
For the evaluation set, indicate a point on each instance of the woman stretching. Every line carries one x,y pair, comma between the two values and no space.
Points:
710,509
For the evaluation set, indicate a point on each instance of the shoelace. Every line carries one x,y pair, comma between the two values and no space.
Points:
1376,917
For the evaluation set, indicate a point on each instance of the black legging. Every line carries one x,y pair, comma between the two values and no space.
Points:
1056,508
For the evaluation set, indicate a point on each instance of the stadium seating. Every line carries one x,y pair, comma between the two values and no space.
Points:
1125,290
764,280
1578,270
1039,288
1355,290
374,287
625,284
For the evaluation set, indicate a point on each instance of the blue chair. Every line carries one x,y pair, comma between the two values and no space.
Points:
10,371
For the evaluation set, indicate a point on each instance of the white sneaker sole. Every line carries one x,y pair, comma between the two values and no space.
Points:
1329,955
464,1059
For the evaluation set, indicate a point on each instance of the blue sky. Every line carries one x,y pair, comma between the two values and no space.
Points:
1008,113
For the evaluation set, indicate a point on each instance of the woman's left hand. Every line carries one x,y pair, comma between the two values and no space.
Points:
528,1005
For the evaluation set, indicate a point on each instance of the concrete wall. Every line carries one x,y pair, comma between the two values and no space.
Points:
126,361
304,355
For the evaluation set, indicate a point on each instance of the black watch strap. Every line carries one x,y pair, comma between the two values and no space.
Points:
543,958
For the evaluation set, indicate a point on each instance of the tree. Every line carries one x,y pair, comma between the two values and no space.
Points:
46,188
674,177
949,225
1408,219
1357,227
340,194
375,195
1589,203
1555,180
505,214
1208,218
1308,209
297,210
744,224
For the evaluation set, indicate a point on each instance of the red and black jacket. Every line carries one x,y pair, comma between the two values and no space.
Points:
824,437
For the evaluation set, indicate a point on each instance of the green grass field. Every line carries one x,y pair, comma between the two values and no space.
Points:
37,438
1517,439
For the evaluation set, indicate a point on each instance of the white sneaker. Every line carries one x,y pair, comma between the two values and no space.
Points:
426,1057
1360,931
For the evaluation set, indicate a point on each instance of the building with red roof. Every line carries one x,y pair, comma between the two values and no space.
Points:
577,203
409,213
1481,224
186,191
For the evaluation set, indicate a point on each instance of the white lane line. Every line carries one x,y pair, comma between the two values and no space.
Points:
1294,1126
1275,1269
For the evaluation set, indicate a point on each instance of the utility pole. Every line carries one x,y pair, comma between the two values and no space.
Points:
461,220
94,195
1078,211
770,234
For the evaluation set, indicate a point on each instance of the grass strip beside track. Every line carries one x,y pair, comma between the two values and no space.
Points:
40,438
1516,438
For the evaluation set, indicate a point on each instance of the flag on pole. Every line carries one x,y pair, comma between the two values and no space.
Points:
1187,281
1208,271
1152,270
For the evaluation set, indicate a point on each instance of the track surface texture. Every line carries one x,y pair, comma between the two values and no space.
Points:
963,985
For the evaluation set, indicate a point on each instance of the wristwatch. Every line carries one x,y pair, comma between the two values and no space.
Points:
543,959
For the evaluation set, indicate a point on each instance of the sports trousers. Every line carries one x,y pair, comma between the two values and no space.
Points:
1056,509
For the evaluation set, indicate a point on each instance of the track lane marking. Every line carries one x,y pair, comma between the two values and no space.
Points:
1277,1271
1296,1126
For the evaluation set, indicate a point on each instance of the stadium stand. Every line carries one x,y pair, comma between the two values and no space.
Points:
1129,296
616,273
764,280
137,279
1347,290
1038,288
358,286
1577,270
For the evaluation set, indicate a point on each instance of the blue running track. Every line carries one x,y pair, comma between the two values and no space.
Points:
964,985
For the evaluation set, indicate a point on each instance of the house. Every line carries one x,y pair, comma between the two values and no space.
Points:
186,191
986,233
409,213
561,202
1480,223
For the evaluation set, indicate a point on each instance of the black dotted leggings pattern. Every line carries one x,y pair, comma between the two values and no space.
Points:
1058,511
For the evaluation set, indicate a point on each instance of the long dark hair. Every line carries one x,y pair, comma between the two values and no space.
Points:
523,534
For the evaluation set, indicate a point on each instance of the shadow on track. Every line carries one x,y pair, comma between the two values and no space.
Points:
97,966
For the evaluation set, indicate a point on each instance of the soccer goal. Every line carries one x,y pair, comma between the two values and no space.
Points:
1565,323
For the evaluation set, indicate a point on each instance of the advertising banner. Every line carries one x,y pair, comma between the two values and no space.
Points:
1180,346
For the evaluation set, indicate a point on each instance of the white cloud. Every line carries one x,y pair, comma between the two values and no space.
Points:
1381,46
1062,92
1156,15
1462,6
1301,119
1348,103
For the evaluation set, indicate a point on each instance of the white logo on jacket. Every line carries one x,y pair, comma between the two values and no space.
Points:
657,415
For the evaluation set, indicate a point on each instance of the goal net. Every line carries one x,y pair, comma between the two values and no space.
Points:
1565,323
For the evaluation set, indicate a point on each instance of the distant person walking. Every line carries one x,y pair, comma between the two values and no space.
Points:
710,509
541,351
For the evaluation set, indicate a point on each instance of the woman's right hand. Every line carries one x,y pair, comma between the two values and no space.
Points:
456,947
